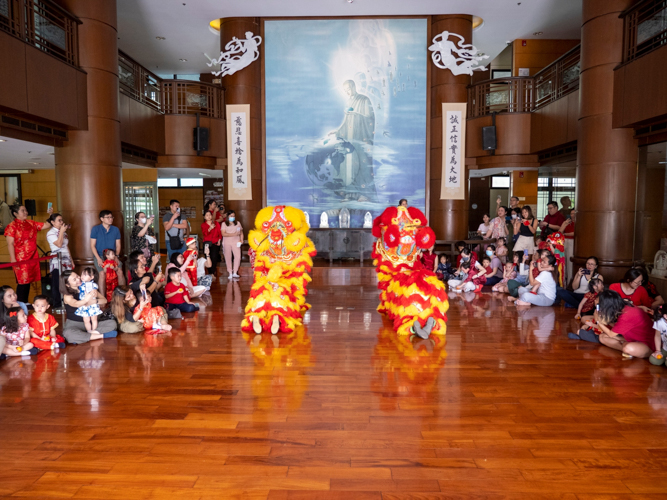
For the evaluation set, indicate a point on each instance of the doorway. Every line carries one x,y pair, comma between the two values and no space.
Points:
140,197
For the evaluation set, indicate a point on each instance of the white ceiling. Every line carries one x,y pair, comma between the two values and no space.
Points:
184,23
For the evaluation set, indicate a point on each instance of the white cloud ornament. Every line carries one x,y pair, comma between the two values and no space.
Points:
457,56
238,54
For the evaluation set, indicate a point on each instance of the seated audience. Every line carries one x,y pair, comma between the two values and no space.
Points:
141,279
9,299
176,294
484,226
43,326
204,266
651,289
590,299
579,284
181,263
74,330
466,255
660,339
444,271
526,270
622,327
509,273
461,274
542,289
16,332
495,274
136,315
631,289
477,277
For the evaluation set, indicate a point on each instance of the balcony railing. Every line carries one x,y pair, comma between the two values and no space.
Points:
182,97
139,83
525,94
503,95
645,28
558,79
44,25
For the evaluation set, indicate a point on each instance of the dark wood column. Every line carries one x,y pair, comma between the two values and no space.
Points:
448,218
88,166
245,87
606,157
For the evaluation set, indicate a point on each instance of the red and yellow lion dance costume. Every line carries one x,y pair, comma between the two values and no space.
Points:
283,259
410,295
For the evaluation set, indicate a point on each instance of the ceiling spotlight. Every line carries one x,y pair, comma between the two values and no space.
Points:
34,163
183,60
538,33
160,38
350,1
3,140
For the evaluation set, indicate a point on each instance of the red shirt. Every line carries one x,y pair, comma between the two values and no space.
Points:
473,259
639,297
211,234
569,229
556,219
42,329
179,297
635,326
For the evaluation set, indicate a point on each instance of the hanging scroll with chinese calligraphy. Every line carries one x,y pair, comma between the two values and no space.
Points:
239,180
453,151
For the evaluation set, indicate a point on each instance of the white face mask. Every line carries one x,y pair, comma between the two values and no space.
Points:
142,220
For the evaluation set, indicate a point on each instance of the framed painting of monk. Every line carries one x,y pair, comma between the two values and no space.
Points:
345,110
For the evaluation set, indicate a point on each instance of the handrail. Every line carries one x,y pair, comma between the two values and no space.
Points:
644,28
42,24
184,97
524,94
139,83
502,95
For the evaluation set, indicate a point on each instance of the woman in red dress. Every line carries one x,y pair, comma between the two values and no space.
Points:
210,230
21,236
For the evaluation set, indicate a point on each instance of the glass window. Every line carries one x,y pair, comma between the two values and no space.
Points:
163,183
500,182
194,182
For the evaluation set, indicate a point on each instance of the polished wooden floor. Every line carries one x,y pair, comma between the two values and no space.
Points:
507,408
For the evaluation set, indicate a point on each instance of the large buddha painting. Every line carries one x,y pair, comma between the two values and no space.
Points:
345,115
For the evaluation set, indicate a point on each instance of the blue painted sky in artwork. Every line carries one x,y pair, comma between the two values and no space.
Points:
306,63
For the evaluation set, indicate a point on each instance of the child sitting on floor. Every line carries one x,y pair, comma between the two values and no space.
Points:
460,275
176,294
44,325
509,273
16,331
590,300
444,271
476,280
660,327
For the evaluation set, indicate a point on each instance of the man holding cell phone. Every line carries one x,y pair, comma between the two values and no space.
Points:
175,225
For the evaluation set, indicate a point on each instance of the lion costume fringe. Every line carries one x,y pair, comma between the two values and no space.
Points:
410,295
283,259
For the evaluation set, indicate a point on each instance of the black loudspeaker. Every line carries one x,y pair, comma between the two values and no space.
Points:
31,207
489,138
200,139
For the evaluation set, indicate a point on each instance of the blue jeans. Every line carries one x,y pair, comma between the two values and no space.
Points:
570,298
185,307
171,251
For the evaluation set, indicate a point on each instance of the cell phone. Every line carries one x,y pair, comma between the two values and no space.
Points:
525,252
49,206
585,271
178,209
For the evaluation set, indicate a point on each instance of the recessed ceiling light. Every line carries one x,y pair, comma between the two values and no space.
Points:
160,38
183,60
3,140
34,163
538,33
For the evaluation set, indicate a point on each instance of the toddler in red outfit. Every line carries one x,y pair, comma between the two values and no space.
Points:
43,326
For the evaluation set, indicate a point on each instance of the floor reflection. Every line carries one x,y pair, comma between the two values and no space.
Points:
406,366
279,379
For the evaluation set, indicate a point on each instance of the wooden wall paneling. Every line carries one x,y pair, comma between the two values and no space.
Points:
537,54
639,90
125,120
13,85
572,116
178,135
139,174
513,131
146,127
524,185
